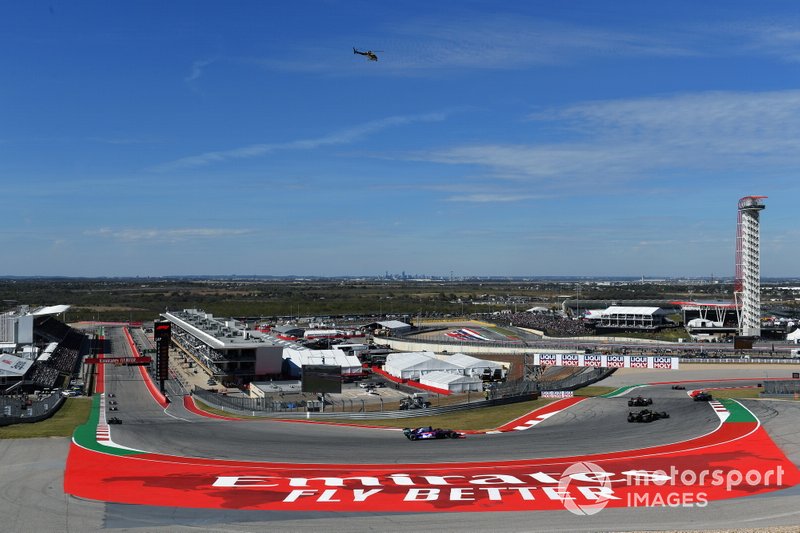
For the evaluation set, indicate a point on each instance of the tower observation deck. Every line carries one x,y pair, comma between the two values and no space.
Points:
747,285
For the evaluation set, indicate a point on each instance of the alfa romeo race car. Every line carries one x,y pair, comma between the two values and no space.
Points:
646,415
639,402
427,433
700,396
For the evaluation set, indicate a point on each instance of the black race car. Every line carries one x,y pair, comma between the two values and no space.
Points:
703,397
113,408
114,420
428,433
678,387
646,415
639,402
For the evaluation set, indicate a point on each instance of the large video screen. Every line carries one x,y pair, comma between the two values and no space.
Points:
322,378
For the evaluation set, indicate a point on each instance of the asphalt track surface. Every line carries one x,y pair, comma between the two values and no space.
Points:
31,472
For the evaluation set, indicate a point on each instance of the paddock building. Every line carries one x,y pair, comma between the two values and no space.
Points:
225,348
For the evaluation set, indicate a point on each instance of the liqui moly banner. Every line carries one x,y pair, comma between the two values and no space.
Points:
592,360
557,394
607,361
570,359
614,361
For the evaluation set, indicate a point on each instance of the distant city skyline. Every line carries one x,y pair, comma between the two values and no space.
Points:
531,139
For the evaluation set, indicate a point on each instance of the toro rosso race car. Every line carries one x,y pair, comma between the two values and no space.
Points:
427,433
700,396
646,415
639,402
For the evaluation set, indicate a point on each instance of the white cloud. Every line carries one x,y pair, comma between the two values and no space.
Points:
492,197
166,235
345,136
198,68
607,142
778,39
513,41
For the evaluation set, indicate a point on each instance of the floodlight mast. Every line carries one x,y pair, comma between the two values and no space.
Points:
747,284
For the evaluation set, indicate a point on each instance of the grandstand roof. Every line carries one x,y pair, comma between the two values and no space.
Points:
624,310
709,305
51,310
394,324
537,310
13,366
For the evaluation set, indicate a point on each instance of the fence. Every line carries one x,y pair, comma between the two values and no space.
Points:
781,387
357,409
757,360
587,377
16,409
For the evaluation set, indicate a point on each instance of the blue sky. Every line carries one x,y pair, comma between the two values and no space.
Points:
531,138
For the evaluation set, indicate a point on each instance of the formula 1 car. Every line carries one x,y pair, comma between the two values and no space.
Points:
113,408
702,397
646,415
678,387
428,433
639,402
114,420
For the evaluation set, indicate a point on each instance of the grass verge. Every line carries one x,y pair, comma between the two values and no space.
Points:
475,419
735,393
594,391
72,414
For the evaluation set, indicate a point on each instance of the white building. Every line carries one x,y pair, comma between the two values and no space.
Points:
472,366
297,359
450,382
414,365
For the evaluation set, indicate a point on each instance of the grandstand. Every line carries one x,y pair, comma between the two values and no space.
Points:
619,317
61,358
50,355
551,325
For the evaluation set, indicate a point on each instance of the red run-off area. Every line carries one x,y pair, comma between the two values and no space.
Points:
739,459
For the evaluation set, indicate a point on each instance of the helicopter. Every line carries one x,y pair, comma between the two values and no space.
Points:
369,53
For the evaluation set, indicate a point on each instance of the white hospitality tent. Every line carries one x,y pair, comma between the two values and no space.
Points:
413,365
447,381
472,366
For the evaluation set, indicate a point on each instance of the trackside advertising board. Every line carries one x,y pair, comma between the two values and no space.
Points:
606,361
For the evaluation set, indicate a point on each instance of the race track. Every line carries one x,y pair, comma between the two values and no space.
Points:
593,428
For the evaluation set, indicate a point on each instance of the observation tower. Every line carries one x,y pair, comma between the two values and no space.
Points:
747,285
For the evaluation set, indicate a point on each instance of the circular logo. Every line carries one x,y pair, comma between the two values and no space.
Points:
597,476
